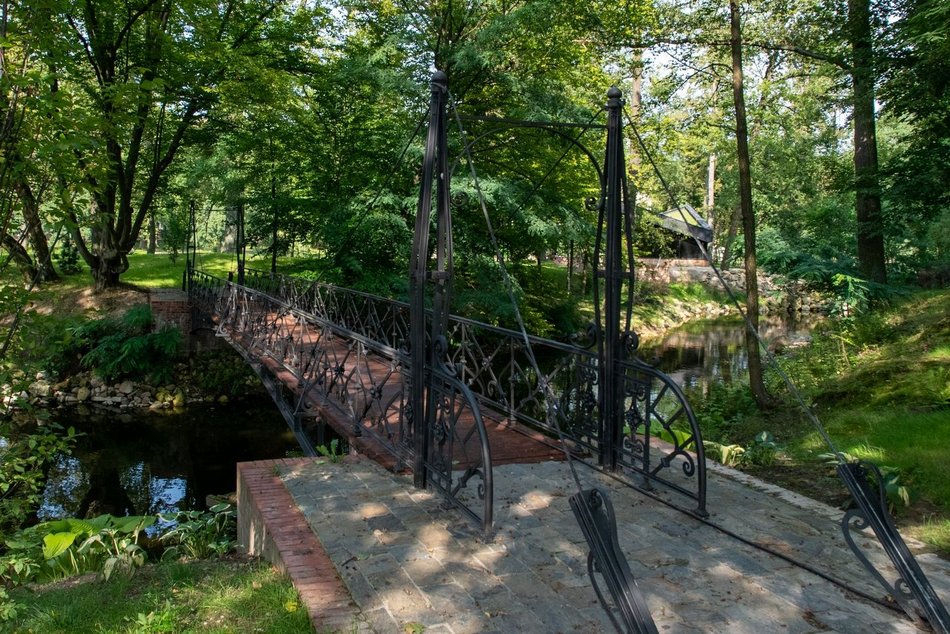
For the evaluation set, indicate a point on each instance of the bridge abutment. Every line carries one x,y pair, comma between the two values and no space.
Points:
172,307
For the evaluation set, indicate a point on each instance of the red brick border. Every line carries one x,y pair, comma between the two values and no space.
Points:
271,526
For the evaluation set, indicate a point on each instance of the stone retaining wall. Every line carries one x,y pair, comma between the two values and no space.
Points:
777,294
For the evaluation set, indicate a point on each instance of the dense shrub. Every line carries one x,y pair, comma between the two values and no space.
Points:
117,348
25,458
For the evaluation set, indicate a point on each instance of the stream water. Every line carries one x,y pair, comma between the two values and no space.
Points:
156,462
143,464
704,352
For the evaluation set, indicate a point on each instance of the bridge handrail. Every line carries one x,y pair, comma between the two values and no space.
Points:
303,344
381,348
501,330
491,361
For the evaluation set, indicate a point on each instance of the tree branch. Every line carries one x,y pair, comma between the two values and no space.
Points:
769,46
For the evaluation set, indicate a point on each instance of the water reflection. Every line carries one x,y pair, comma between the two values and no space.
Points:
713,351
158,463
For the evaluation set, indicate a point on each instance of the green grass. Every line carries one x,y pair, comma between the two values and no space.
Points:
158,270
915,442
232,595
881,386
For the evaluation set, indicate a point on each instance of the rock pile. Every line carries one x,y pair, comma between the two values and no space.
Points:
86,388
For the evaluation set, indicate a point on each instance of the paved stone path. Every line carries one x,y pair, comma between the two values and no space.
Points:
406,560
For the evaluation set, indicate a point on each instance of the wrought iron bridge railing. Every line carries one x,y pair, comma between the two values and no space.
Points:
660,431
311,352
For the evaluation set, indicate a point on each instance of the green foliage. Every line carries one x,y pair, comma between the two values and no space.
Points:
8,608
155,622
109,546
174,233
333,452
118,348
722,413
729,455
67,257
200,534
63,548
24,460
761,452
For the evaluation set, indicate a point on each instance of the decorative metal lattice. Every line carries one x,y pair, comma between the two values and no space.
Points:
314,363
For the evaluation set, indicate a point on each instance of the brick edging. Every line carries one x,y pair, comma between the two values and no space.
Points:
271,526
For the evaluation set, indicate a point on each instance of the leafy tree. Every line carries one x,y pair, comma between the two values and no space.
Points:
140,81
17,74
915,92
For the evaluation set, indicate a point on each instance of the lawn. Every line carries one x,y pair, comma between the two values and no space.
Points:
230,595
881,386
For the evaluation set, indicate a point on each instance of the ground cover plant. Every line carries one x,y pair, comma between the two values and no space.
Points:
234,594
880,382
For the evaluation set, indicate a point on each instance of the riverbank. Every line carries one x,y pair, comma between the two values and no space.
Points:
880,384
218,376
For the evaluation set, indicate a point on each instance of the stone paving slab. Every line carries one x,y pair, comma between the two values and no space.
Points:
408,560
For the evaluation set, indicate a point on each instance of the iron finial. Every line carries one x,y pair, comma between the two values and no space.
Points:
439,80
614,93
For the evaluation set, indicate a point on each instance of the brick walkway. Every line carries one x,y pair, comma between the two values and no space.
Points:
407,562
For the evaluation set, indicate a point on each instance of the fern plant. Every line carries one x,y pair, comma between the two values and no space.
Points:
127,347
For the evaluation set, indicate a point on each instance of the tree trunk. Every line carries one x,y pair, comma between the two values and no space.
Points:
273,243
152,233
636,103
756,381
867,204
34,230
20,256
109,261
710,202
109,270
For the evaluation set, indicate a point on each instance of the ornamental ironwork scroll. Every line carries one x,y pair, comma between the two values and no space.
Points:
911,590
595,515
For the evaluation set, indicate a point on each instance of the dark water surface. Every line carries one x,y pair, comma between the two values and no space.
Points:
713,351
151,463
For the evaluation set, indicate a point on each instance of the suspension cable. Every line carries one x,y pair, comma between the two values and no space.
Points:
509,288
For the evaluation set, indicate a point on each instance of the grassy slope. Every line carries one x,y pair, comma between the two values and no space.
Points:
233,595
882,388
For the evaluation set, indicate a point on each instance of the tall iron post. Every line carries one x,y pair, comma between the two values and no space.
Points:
434,167
611,389
191,249
240,245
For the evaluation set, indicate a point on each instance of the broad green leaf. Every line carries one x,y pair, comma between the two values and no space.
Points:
55,544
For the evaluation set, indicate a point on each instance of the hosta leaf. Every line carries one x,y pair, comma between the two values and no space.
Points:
56,544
